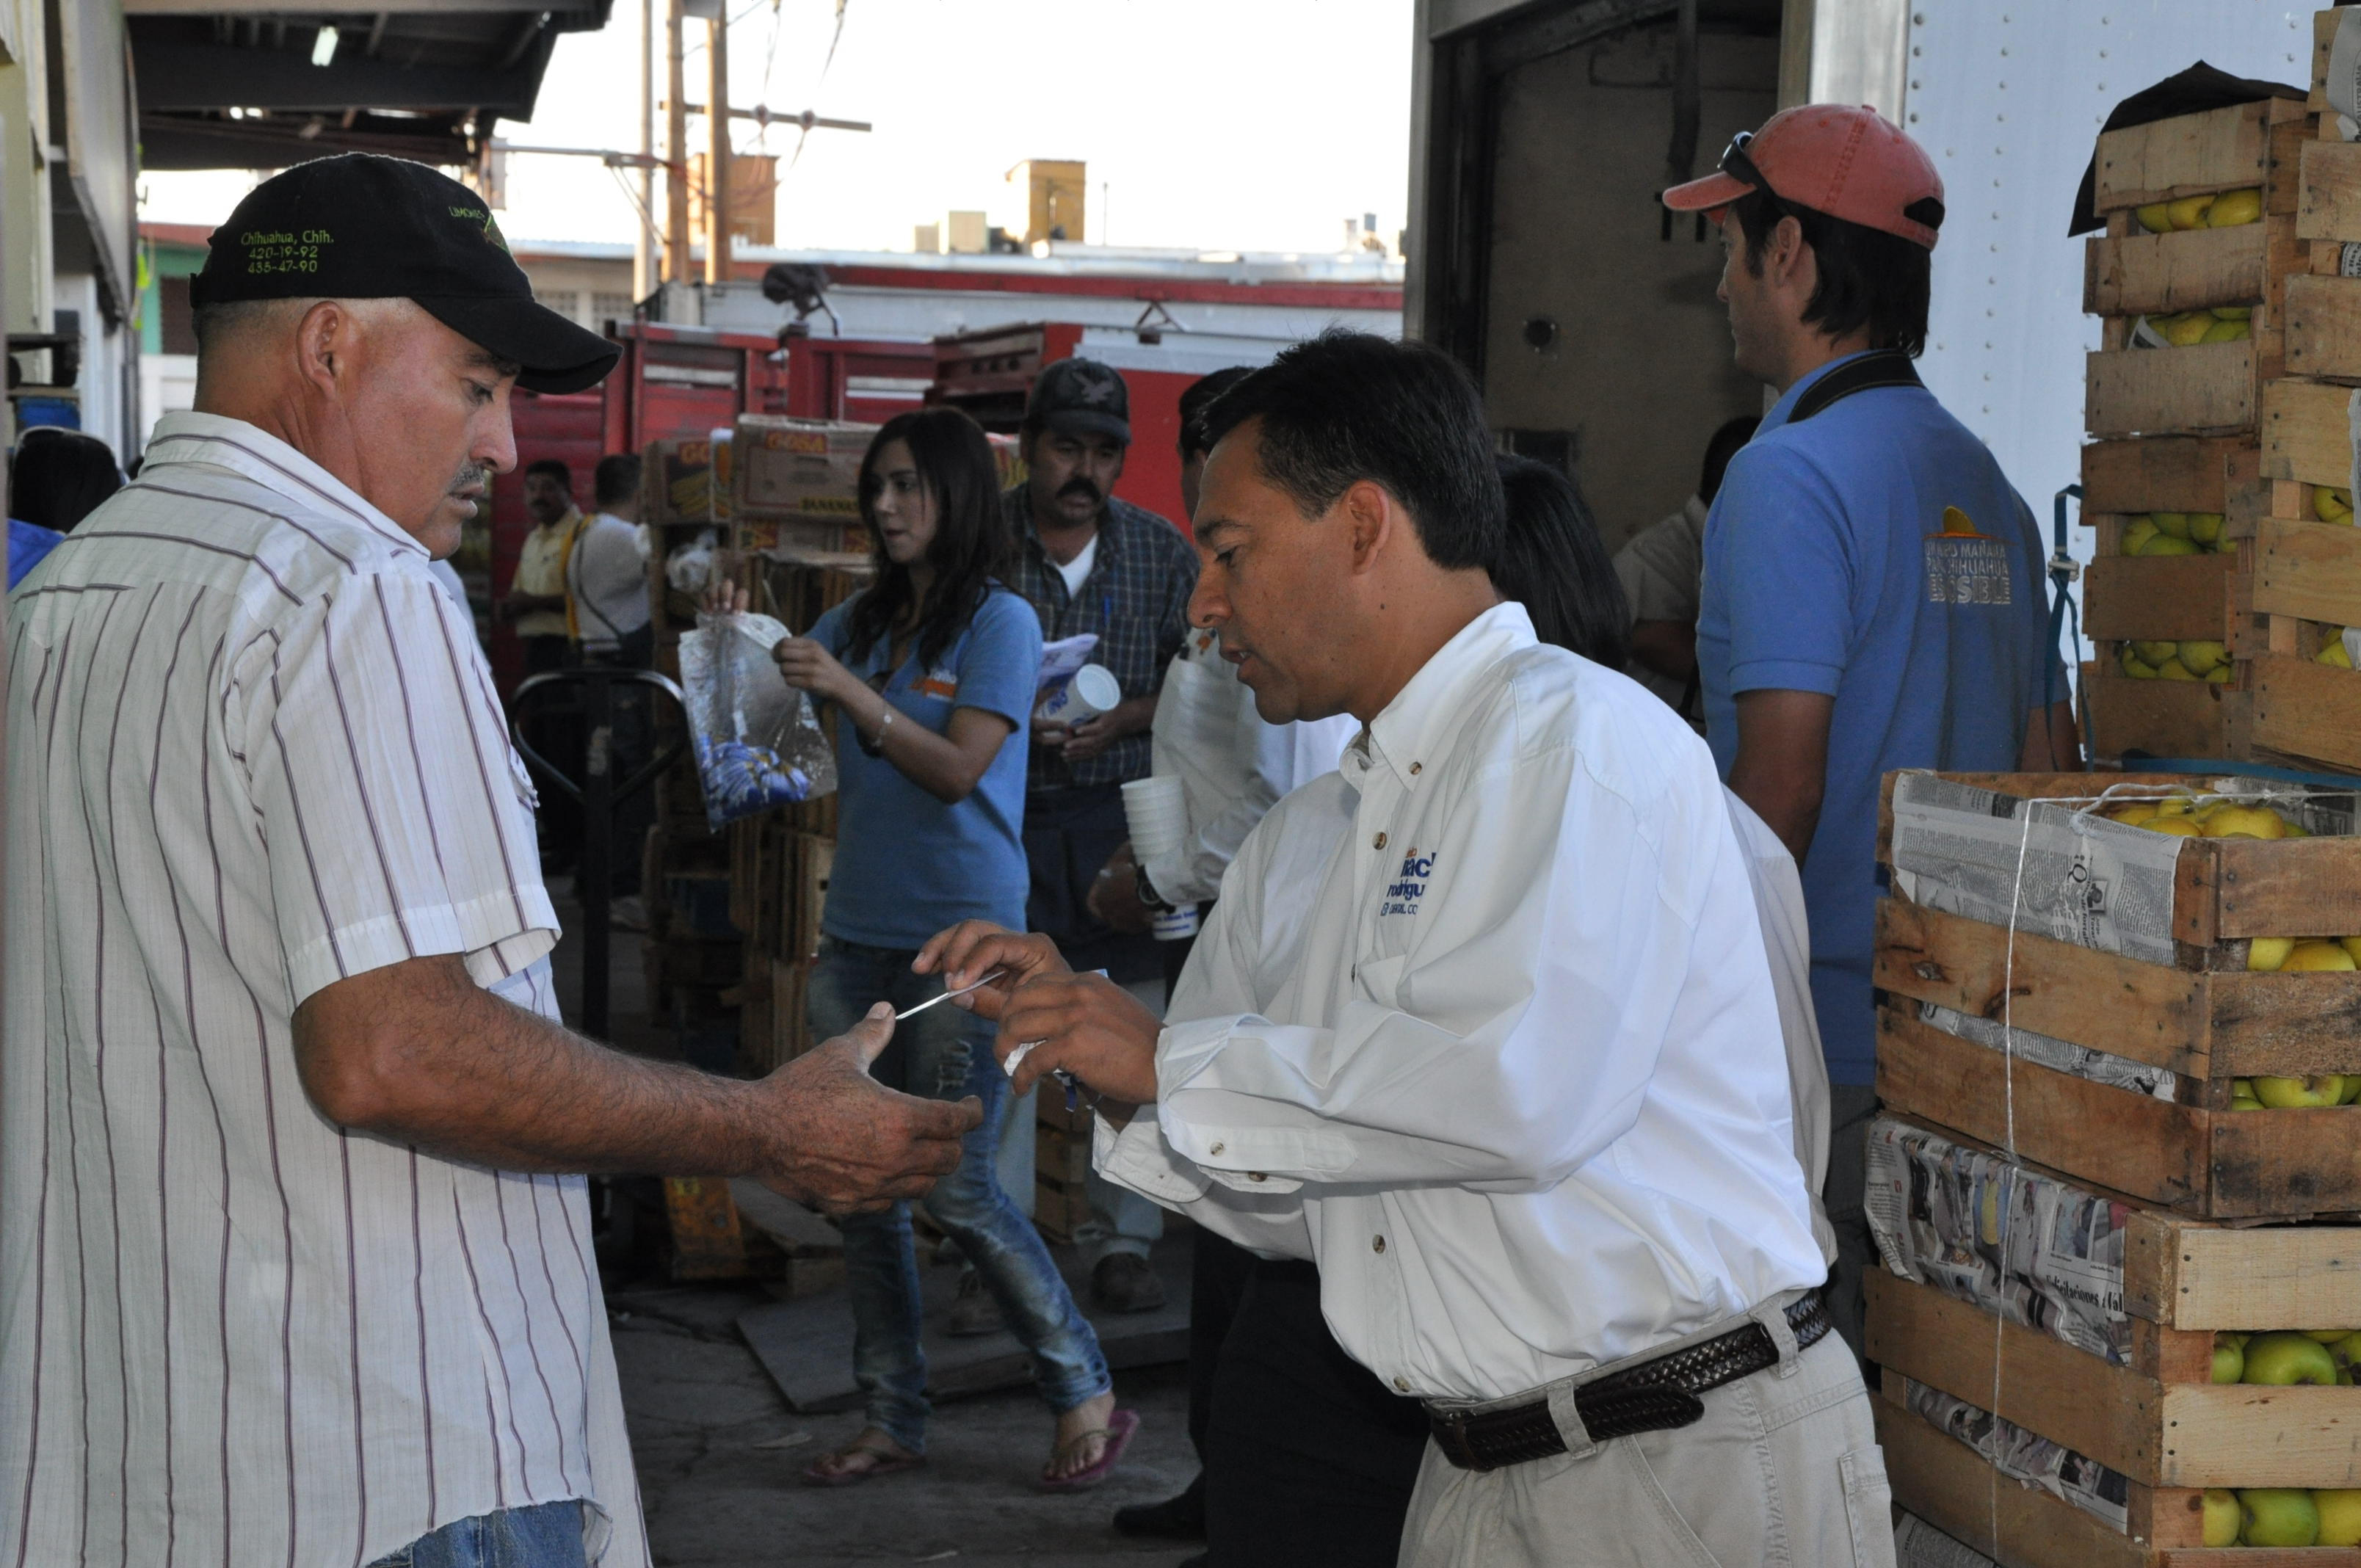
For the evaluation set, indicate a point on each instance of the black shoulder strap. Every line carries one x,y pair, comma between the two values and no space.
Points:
1881,367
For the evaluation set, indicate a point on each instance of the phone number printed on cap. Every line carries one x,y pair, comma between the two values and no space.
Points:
270,253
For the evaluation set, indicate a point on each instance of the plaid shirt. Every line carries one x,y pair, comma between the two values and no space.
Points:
1136,599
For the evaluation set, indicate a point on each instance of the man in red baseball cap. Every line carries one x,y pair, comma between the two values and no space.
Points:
1874,595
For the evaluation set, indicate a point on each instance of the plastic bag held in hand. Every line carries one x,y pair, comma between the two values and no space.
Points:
759,744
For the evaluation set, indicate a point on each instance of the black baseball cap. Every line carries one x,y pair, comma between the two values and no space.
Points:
364,226
1080,397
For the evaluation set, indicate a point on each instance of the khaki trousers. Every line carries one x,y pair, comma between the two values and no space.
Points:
1783,1471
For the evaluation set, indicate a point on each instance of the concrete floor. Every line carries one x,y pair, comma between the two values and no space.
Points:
701,1413
718,1447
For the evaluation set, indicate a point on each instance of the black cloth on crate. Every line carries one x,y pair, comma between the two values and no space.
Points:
1310,1459
2192,92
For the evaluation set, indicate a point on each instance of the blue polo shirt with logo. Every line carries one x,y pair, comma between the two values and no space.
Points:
908,866
1874,554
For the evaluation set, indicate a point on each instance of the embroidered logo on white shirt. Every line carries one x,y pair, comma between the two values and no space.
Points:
1402,895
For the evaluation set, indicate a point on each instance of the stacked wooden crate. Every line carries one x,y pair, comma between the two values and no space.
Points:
782,860
2194,1217
2199,281
1061,1163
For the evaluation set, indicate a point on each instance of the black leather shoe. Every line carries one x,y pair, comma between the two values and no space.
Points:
1175,1518
974,1312
1121,1282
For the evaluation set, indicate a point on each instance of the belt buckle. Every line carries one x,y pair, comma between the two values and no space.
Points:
1451,1436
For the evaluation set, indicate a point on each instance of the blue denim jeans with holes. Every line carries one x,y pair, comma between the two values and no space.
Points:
944,1053
548,1535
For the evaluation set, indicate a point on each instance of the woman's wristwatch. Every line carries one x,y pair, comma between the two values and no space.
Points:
1148,896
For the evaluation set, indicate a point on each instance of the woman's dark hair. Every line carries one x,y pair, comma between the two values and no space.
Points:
1553,564
963,478
1197,399
1726,443
1868,277
59,477
1348,406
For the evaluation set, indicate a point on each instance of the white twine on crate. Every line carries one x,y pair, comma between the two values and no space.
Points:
2083,803
2116,794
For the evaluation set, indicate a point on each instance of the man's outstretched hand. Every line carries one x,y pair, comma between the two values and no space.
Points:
847,1144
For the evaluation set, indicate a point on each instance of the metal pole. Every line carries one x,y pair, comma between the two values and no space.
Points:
643,254
675,149
716,156
597,835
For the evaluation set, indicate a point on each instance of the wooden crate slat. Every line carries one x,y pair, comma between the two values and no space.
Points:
2164,597
2328,199
2223,1024
2311,570
2145,1147
2218,1163
2164,718
2146,1012
2204,1277
1948,1484
2307,887
2306,434
2308,711
2220,149
2166,472
2161,1434
2323,328
2105,1412
2205,387
2323,35
2163,274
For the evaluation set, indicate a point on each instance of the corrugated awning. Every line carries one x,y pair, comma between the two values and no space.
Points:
227,85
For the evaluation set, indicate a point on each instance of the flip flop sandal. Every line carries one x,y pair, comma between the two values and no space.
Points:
889,1462
1117,1433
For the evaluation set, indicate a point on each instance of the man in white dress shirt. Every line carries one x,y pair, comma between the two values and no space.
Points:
295,1265
1515,1077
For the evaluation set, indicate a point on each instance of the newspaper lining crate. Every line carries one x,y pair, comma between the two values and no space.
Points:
2225,891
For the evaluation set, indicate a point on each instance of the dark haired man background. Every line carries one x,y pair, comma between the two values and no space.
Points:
1483,1025
1088,561
1872,584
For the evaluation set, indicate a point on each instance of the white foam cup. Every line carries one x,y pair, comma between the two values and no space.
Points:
1092,690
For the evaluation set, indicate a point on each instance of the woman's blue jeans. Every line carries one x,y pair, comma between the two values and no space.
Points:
944,1053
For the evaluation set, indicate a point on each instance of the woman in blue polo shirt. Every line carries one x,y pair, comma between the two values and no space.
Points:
933,671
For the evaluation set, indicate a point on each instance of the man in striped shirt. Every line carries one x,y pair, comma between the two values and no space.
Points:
294,1257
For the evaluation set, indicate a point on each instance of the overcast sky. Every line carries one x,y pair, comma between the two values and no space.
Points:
1250,125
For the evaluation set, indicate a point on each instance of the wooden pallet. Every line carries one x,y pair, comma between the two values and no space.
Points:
2160,1421
1948,1485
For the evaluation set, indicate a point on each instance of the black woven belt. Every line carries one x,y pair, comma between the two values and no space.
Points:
1654,1395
